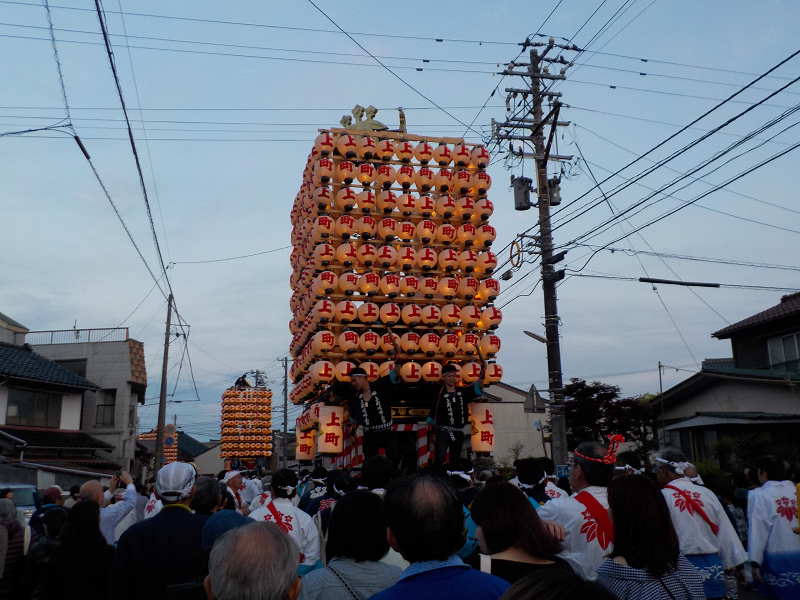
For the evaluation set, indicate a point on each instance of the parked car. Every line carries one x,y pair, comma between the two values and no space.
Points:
25,499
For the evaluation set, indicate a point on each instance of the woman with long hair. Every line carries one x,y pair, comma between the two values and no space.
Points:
513,540
646,562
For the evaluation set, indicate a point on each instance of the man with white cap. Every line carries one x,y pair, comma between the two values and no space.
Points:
233,481
163,550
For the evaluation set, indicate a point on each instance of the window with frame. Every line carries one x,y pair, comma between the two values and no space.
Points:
33,408
104,417
784,352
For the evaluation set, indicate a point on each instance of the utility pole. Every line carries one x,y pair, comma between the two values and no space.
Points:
285,406
661,402
547,194
162,401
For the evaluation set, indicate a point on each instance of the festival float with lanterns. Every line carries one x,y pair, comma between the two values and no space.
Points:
246,432
391,261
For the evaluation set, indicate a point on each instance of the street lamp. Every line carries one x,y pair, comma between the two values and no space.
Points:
535,336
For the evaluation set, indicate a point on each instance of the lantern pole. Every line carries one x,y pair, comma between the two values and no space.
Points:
162,401
285,406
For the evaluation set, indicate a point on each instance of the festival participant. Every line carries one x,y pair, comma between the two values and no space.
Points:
249,489
321,501
552,584
37,574
319,479
628,463
550,487
52,497
376,473
372,409
462,476
111,515
513,540
426,526
449,415
646,563
774,548
589,534
208,496
233,481
153,506
532,480
281,511
263,498
706,535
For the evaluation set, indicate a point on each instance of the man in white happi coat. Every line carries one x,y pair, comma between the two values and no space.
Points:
281,511
249,489
706,535
550,487
233,482
774,548
584,516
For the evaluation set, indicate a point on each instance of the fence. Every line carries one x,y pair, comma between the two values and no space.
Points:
72,336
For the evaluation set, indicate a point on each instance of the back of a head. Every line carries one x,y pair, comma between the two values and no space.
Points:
376,472
669,455
82,527
320,473
643,530
331,478
257,561
740,480
629,459
424,514
344,485
548,465
206,495
357,528
7,509
54,519
175,482
773,468
530,471
508,519
284,483
596,473
555,584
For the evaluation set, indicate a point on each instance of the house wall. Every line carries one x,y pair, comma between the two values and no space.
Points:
512,425
71,412
210,463
750,353
3,403
730,395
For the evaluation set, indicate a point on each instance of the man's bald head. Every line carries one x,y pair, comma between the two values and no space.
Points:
425,517
92,490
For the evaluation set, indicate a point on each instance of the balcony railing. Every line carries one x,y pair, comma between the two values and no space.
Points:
72,336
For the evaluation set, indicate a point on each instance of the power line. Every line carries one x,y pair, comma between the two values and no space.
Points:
722,285
214,260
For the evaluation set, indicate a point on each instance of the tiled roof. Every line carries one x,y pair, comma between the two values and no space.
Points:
789,306
43,437
23,363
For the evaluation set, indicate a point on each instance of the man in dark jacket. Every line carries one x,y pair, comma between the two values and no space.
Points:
36,573
163,550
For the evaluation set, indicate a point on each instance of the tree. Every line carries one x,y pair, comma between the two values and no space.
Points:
595,410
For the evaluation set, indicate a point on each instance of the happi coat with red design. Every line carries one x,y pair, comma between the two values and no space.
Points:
694,533
297,524
585,545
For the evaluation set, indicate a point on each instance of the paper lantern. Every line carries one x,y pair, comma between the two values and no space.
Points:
488,290
443,180
406,230
390,313
369,342
468,288
425,206
470,315
431,371
409,286
325,310
428,286
468,260
423,152
482,417
431,314
448,287
348,282
305,442
386,367
424,179
386,342
448,259
323,228
465,208
411,314
471,372
330,429
469,343
486,235
346,145
407,204
449,344
348,341
345,199
323,341
481,182
426,231
490,344
427,257
372,369
387,200
461,155
411,372
480,157
445,206
323,170
487,262
365,174
323,254
322,371
406,258
466,234
366,253
462,182
325,283
390,285
429,344
366,147
446,234
387,256
385,149
441,154
324,144
347,254
450,315
366,201
406,176
404,151
346,171
386,176
369,283
491,318
345,226
366,227
322,197
494,373
387,229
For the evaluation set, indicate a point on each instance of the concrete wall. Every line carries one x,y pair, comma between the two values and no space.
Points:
71,412
734,395
210,463
512,425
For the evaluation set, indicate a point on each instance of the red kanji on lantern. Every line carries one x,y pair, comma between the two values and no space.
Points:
332,438
326,370
408,228
487,436
305,449
335,420
489,420
327,338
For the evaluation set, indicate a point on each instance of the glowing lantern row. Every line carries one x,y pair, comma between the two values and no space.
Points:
326,229
246,423
482,418
330,425
305,444
403,257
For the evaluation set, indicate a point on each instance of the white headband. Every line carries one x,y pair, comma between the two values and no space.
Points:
286,488
465,475
530,486
680,467
337,490
630,470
